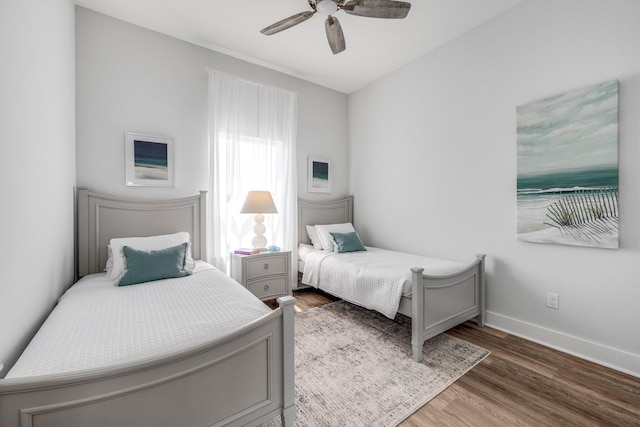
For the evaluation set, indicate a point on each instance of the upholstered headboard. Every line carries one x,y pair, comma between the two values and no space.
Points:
322,212
102,217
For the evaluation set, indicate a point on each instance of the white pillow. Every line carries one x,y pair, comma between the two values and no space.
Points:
109,266
151,243
326,239
313,236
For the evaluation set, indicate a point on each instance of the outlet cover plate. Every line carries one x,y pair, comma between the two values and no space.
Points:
553,300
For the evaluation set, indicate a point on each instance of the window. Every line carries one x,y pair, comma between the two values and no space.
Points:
252,147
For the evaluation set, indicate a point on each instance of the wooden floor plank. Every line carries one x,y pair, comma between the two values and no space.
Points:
521,384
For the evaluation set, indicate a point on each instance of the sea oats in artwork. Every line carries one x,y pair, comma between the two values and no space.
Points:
567,186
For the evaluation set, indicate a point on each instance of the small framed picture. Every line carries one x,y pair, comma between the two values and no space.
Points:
318,175
149,160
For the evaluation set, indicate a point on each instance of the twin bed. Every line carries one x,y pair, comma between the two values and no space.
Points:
201,350
198,350
437,294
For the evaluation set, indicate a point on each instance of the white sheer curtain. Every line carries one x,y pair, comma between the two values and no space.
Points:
252,141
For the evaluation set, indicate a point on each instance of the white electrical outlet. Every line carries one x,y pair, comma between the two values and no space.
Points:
553,300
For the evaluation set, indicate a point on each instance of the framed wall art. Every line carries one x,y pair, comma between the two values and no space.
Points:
149,160
568,168
318,175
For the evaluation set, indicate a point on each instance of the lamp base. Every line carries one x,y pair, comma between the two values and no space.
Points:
259,241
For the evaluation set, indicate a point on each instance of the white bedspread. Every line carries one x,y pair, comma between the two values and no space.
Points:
374,279
96,324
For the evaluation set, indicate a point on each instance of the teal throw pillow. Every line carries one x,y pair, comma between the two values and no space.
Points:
348,242
146,266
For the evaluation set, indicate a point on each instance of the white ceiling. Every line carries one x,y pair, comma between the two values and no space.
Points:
375,47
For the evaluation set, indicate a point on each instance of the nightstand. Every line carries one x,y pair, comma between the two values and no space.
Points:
265,274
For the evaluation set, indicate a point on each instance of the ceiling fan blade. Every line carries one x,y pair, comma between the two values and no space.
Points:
335,36
287,22
388,9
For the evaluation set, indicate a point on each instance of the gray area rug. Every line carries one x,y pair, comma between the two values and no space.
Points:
354,367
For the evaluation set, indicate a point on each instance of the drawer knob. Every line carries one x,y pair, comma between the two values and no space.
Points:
266,266
266,287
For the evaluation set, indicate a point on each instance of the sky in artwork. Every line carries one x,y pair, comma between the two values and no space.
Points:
574,131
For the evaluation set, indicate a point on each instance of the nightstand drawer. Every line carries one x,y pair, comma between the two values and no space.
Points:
263,266
274,286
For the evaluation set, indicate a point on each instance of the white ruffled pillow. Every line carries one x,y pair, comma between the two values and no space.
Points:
313,236
325,237
152,243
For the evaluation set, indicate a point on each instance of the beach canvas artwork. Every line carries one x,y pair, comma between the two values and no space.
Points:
319,177
567,184
149,160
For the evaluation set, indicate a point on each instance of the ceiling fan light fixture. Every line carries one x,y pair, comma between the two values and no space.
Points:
389,9
326,7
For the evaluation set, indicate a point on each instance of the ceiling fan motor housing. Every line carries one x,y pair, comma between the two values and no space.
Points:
327,7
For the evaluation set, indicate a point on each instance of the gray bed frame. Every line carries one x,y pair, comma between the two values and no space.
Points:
241,379
438,302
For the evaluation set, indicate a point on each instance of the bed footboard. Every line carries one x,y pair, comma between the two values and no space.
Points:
439,303
244,378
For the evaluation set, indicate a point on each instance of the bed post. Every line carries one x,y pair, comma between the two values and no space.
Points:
288,416
417,314
481,285
82,239
203,226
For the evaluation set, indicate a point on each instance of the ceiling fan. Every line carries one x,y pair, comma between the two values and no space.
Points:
389,9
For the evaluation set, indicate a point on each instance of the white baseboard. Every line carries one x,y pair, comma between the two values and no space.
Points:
607,356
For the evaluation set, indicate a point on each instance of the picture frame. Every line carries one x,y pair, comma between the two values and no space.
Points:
318,174
148,160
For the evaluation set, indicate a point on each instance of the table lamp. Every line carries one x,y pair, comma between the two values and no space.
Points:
259,203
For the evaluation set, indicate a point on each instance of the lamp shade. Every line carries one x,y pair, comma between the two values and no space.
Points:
258,202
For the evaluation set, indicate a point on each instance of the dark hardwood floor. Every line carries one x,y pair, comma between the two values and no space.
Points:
522,384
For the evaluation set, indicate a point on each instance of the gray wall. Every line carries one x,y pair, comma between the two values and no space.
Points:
137,80
433,168
37,164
